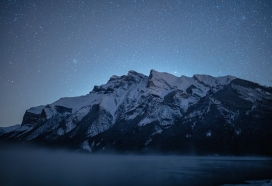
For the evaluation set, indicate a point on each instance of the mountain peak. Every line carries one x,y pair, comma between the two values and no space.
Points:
114,77
213,81
134,73
159,74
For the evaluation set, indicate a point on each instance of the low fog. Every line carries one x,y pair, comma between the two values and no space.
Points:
25,165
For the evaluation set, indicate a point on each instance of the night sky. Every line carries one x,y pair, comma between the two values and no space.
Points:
54,49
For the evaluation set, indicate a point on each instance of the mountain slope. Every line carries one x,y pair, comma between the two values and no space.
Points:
160,112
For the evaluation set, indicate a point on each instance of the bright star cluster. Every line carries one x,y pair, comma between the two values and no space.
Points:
52,49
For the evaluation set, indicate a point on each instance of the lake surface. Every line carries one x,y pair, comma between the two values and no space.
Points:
22,166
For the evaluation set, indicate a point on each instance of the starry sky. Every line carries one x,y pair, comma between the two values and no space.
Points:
53,49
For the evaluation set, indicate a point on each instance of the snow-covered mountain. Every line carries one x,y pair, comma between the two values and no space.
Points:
160,112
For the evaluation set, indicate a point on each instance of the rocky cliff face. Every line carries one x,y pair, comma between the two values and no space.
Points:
160,112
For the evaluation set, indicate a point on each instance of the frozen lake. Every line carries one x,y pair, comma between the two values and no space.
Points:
21,166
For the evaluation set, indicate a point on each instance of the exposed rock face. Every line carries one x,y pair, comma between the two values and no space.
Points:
160,112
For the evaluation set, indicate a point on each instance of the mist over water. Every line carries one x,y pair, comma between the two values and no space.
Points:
36,166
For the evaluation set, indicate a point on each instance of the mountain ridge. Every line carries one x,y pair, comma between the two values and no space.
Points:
160,112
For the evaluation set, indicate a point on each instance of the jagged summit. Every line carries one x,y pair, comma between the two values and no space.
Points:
156,78
161,111
213,81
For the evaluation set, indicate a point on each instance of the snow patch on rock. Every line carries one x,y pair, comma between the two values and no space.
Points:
85,146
